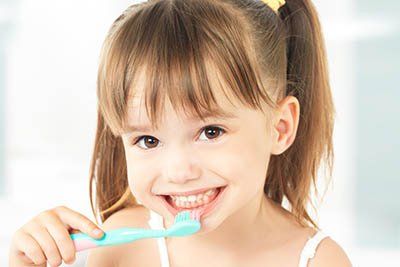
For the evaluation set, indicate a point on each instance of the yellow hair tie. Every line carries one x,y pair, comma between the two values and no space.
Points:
274,4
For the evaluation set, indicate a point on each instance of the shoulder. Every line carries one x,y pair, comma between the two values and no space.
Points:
134,216
130,254
329,254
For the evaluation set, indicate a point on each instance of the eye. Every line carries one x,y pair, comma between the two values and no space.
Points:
211,132
148,140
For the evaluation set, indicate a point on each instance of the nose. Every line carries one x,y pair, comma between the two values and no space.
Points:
181,166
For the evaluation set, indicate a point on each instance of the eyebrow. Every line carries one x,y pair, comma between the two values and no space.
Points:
223,116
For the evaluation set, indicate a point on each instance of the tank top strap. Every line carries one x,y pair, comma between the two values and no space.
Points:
310,247
156,222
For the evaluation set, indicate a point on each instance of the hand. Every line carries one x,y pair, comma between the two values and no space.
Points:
46,238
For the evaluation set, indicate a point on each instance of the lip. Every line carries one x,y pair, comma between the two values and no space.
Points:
193,192
204,210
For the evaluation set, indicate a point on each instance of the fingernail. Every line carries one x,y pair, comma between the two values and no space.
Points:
97,232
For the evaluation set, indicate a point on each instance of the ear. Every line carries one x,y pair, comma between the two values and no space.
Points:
285,124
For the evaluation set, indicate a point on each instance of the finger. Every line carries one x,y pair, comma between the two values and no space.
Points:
47,244
62,238
28,247
78,221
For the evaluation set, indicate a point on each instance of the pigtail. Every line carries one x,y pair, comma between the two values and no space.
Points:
109,173
291,173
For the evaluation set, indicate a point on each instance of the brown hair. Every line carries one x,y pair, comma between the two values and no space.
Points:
180,45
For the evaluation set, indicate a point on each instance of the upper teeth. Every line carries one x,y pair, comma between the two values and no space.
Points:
194,198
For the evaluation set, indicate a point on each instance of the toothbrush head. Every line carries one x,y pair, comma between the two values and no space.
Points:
186,223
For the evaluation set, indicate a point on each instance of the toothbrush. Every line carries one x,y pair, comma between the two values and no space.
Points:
185,223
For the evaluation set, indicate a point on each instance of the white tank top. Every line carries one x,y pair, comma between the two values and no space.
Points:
308,252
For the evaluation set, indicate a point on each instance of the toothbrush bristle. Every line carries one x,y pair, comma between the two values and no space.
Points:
188,215
186,222
179,217
197,217
193,215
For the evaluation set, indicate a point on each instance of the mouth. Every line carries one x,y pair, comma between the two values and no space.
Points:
203,208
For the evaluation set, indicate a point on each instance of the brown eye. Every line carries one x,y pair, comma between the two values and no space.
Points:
212,132
149,141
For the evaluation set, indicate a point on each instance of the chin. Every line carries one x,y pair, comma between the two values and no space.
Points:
211,213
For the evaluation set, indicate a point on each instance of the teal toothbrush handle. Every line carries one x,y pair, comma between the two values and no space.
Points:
114,237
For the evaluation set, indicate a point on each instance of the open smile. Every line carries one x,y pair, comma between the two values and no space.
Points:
204,207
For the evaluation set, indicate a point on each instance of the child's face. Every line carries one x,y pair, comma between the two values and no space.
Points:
183,156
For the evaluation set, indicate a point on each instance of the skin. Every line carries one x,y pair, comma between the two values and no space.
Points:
44,240
187,159
247,229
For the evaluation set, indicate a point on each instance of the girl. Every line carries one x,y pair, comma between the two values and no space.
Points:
219,105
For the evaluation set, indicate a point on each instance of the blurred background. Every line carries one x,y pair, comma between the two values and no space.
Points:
49,53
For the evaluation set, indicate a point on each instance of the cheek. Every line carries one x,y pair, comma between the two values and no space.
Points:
242,160
139,172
